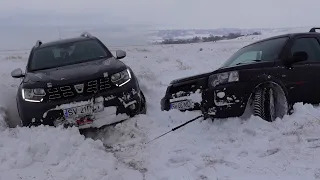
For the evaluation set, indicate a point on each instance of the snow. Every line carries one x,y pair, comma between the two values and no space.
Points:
49,153
225,149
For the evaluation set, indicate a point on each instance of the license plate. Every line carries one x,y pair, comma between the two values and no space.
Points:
78,111
182,105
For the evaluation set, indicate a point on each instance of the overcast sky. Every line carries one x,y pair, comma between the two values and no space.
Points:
168,13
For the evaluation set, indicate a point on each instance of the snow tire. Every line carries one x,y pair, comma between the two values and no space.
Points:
143,107
264,104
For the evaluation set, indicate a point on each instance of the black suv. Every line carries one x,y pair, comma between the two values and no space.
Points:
77,82
264,78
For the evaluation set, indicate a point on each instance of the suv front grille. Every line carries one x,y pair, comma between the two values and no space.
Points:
85,88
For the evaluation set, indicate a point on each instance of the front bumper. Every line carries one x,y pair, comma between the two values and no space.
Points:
223,101
109,107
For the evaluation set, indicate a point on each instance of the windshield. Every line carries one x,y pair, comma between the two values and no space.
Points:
66,54
264,51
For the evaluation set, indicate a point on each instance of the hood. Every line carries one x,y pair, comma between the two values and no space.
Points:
203,75
252,65
83,71
191,78
225,69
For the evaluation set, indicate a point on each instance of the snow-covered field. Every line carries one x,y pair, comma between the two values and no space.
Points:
204,150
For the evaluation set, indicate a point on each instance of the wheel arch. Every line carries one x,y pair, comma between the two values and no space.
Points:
250,99
270,82
274,83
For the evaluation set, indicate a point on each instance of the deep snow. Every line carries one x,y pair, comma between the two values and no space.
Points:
224,149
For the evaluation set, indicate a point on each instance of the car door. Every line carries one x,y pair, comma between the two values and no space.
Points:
301,79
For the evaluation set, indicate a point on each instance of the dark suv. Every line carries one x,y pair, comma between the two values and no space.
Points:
264,78
77,82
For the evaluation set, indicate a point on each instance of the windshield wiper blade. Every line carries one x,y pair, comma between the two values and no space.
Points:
255,60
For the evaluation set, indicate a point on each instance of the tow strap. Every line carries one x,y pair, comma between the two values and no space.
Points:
177,128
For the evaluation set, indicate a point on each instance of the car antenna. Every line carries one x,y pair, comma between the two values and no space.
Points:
59,33
178,127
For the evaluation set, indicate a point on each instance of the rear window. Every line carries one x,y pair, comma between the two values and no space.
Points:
264,51
66,54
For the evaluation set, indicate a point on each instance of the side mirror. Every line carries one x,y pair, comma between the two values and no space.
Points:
297,57
120,54
17,73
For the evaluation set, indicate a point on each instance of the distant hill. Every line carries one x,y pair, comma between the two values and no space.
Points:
175,34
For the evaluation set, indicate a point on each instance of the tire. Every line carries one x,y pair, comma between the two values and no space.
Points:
264,104
143,107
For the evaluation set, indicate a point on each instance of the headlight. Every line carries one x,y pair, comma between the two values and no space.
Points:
121,78
222,78
33,95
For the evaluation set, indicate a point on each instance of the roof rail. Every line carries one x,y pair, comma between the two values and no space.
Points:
314,29
86,34
38,43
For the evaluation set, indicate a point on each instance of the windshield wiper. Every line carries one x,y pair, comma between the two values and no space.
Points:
255,60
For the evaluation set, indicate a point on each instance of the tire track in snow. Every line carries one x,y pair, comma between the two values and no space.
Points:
132,164
124,140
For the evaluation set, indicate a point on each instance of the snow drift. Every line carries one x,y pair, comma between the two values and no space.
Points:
54,153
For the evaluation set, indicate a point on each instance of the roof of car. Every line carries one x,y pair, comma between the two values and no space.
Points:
63,41
290,35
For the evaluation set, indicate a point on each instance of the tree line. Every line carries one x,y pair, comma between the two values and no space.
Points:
210,38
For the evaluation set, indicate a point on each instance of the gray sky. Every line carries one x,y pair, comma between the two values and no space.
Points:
168,13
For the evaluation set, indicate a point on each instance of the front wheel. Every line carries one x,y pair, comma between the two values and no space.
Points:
143,107
269,103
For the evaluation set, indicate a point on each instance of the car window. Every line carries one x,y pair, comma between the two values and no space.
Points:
309,45
62,52
265,51
248,57
66,54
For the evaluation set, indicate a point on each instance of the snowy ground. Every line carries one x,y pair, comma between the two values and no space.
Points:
226,149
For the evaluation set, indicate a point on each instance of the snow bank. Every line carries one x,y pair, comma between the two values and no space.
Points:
3,116
233,148
54,153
